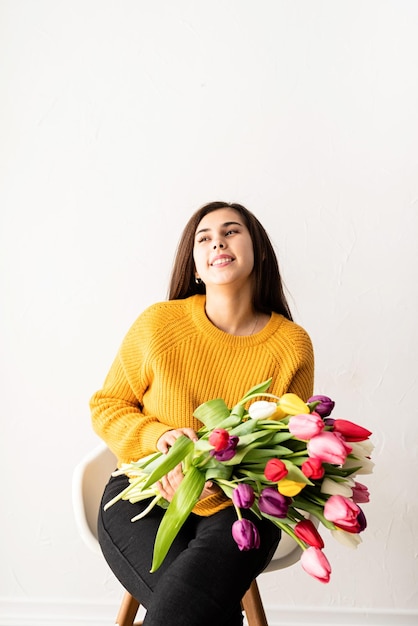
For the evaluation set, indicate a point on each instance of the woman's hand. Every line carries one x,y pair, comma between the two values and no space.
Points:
168,485
167,440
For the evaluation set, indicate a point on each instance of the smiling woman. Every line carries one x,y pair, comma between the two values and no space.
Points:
226,313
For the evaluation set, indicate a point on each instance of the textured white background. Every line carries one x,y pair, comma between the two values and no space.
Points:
117,121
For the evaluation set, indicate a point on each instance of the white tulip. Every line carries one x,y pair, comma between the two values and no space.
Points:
262,409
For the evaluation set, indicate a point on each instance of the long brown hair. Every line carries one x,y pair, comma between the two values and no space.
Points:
268,292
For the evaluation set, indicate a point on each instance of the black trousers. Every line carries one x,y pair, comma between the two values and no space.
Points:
204,575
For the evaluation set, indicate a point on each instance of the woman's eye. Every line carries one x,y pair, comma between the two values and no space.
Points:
231,232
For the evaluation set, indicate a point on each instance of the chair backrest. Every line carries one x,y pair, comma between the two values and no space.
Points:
89,480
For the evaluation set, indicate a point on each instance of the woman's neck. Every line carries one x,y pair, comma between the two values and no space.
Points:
234,314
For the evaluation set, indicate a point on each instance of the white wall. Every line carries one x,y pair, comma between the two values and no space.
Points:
118,120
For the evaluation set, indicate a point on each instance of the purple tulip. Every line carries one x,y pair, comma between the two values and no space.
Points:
245,534
228,452
273,503
360,493
243,496
324,406
361,518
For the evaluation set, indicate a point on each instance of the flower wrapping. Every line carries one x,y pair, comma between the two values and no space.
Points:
283,458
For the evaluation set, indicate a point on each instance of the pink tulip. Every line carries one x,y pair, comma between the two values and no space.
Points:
245,534
351,431
316,564
306,531
343,512
313,468
275,470
329,447
360,493
306,426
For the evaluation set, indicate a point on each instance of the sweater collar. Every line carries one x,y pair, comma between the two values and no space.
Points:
211,332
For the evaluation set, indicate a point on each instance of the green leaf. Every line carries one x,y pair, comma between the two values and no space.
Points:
257,390
178,451
178,510
212,413
294,473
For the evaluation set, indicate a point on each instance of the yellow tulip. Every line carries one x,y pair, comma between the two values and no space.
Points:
289,487
291,404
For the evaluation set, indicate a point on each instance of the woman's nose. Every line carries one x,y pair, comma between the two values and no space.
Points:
218,244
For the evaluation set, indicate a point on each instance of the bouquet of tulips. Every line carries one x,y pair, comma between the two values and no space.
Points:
285,459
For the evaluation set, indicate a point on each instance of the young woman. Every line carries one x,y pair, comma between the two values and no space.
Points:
225,328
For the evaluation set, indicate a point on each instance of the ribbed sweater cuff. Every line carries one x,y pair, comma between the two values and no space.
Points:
212,504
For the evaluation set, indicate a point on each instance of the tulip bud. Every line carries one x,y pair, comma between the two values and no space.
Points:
291,404
273,503
275,470
325,405
346,539
290,488
343,512
329,447
313,468
305,426
335,488
245,534
363,465
316,564
262,409
227,453
351,431
219,439
306,531
360,493
243,496
361,519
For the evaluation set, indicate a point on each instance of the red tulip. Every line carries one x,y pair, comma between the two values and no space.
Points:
343,512
275,470
306,531
351,431
219,439
316,564
228,452
245,534
313,468
306,426
329,447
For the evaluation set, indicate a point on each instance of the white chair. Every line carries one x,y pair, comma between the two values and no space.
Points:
89,479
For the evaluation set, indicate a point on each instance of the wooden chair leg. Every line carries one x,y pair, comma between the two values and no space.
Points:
253,606
127,612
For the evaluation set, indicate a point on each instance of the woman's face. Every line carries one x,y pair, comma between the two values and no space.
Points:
223,250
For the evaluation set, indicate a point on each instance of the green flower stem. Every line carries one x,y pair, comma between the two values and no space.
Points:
238,511
257,395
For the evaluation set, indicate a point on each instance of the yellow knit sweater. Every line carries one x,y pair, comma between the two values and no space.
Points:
173,359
